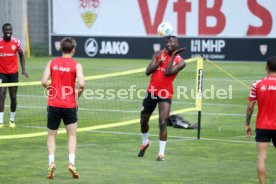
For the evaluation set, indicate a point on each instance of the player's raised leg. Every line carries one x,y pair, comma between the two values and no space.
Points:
148,106
144,123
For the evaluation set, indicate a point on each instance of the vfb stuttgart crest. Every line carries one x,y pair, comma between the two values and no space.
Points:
89,10
13,47
263,49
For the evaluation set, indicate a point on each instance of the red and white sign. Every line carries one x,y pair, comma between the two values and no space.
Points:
223,18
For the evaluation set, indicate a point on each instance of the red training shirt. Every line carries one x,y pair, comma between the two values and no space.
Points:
264,92
161,85
8,55
62,87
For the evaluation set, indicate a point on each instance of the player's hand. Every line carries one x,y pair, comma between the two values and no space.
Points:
78,93
178,51
248,131
25,74
162,57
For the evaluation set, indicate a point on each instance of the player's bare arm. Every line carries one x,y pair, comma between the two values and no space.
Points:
22,62
170,70
46,75
249,112
80,78
154,63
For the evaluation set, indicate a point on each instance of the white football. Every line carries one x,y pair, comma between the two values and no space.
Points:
165,29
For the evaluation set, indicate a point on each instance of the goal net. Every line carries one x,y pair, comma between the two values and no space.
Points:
109,100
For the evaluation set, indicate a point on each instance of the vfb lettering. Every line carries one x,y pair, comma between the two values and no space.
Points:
114,47
209,45
181,9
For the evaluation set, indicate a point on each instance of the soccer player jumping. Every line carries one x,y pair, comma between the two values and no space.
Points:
163,69
264,93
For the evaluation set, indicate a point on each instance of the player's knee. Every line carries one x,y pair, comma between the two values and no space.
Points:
144,122
2,95
144,119
261,158
13,100
162,123
72,134
13,97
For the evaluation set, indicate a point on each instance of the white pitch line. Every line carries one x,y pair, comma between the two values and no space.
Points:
139,134
179,137
132,100
33,96
29,106
108,110
34,127
225,140
227,79
133,111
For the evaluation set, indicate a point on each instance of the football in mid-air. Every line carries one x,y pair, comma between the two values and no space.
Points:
165,29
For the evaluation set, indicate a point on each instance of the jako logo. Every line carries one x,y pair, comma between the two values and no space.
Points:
114,47
91,47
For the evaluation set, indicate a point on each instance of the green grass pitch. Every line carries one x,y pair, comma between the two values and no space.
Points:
109,155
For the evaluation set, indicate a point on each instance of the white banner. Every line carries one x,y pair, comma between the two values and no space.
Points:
223,18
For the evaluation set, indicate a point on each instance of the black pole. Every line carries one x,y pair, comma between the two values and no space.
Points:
199,124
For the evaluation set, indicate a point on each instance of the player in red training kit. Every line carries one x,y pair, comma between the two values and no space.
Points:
264,93
63,72
163,69
9,47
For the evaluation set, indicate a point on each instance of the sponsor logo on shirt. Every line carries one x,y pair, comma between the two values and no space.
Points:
263,88
62,69
4,54
161,69
271,78
272,88
55,67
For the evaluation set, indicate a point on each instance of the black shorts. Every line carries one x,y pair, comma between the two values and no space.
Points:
55,114
8,78
263,135
150,101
